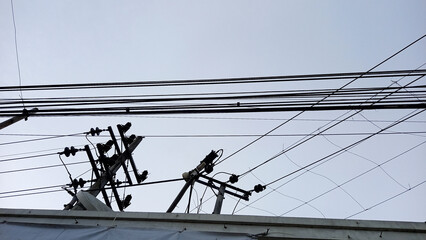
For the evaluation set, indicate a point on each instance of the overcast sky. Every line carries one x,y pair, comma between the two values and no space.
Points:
111,41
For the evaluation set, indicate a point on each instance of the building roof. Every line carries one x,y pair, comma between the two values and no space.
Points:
69,224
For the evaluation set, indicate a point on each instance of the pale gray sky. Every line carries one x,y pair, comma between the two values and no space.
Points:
109,41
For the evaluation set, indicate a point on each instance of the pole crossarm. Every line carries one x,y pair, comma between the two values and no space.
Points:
245,194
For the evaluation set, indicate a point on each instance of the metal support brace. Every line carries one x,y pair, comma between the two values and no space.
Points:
109,176
96,172
181,193
219,199
129,154
117,148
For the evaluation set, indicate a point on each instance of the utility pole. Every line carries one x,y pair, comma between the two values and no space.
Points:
109,168
194,176
24,115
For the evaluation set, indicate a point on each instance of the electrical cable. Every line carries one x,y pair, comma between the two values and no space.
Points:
356,177
362,157
264,119
274,135
40,139
300,142
27,157
329,179
61,190
295,116
43,167
355,93
242,80
400,98
31,189
412,114
282,194
388,199
350,180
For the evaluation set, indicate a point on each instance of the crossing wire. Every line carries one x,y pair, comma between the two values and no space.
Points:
335,154
345,85
411,115
300,142
388,199
355,177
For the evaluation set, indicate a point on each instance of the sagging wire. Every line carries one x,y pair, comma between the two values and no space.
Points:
362,157
329,179
282,194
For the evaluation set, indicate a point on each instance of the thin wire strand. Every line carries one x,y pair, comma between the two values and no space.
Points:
285,195
329,179
326,159
295,116
362,157
355,177
388,199
410,115
17,53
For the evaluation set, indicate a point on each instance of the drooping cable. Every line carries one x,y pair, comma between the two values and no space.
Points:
411,115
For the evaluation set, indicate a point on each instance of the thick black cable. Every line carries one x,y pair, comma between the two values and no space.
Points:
265,119
302,99
121,112
288,78
307,94
112,105
94,99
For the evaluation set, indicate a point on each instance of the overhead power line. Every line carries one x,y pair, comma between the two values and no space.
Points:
307,138
335,187
20,193
217,109
388,199
216,81
354,178
40,139
411,115
344,86
41,167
